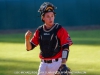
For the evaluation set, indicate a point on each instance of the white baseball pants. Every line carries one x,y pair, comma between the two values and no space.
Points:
49,68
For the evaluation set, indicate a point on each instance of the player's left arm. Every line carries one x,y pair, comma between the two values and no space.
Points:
65,43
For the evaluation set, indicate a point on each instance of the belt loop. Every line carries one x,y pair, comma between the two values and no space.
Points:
53,60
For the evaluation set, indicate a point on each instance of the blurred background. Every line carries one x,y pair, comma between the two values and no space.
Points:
21,14
81,18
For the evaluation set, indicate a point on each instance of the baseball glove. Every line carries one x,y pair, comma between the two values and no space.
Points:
63,70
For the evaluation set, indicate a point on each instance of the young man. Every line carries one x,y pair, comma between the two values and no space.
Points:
53,39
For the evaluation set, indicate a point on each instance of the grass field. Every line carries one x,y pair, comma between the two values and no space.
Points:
84,57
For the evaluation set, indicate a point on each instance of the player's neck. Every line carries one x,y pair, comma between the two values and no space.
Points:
48,26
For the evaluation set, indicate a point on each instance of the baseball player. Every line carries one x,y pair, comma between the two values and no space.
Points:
53,39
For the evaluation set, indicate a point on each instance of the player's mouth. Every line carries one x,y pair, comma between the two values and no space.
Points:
50,22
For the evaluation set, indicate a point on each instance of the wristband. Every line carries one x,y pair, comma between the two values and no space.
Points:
65,54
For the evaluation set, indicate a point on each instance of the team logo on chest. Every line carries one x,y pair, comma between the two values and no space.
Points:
46,34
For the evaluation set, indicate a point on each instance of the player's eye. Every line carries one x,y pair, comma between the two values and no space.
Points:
48,16
52,15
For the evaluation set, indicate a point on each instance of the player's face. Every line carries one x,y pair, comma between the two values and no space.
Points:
49,18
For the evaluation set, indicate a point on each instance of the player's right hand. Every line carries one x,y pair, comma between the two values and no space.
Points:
28,34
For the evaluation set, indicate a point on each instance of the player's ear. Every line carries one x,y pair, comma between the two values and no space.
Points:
42,18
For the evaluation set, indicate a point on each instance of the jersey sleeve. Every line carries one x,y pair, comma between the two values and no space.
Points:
34,40
64,37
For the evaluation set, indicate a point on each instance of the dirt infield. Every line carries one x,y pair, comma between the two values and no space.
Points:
73,28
